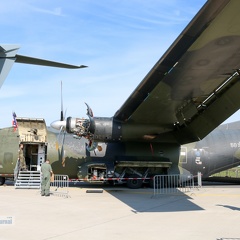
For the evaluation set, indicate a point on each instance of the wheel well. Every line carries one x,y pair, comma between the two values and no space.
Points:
2,180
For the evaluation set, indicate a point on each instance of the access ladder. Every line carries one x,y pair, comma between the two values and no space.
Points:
28,179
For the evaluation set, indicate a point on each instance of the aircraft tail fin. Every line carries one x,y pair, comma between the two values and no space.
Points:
7,58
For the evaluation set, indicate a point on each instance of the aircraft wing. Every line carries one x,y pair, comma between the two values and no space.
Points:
8,56
195,85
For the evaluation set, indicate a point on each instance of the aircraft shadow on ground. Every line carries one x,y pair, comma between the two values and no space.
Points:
230,207
143,200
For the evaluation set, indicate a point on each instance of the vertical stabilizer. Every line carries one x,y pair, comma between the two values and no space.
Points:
7,58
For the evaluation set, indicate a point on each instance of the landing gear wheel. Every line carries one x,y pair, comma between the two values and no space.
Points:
2,180
111,182
134,182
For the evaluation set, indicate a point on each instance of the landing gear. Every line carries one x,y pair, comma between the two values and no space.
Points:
2,180
134,182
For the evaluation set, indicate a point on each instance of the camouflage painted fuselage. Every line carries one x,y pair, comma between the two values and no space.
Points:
216,152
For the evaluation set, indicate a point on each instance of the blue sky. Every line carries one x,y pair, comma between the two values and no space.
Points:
120,41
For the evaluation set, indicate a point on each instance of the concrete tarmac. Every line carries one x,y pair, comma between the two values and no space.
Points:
211,212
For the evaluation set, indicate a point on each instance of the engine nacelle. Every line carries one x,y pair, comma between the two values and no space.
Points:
95,128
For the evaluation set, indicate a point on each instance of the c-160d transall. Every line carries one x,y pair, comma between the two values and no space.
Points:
189,92
133,164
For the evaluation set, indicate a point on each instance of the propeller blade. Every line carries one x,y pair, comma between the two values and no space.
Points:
91,146
61,117
61,126
89,111
62,154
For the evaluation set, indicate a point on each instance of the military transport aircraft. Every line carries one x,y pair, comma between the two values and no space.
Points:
218,151
189,92
192,89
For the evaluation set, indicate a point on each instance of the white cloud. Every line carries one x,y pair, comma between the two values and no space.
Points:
57,11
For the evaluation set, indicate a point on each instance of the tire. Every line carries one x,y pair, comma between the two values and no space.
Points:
111,182
134,183
2,180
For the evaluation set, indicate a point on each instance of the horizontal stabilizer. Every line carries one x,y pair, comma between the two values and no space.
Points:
8,56
42,62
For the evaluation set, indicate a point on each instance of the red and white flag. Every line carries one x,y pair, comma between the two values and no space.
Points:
14,122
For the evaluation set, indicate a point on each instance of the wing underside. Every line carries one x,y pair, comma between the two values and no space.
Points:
195,86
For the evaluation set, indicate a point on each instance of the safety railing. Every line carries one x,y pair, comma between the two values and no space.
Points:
60,185
172,184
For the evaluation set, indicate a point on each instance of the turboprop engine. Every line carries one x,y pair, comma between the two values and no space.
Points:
94,129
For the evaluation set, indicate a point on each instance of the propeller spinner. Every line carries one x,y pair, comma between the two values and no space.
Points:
79,127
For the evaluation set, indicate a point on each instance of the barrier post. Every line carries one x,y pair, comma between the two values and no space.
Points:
60,185
199,179
172,184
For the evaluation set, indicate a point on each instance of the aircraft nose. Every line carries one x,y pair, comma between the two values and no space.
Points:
58,125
